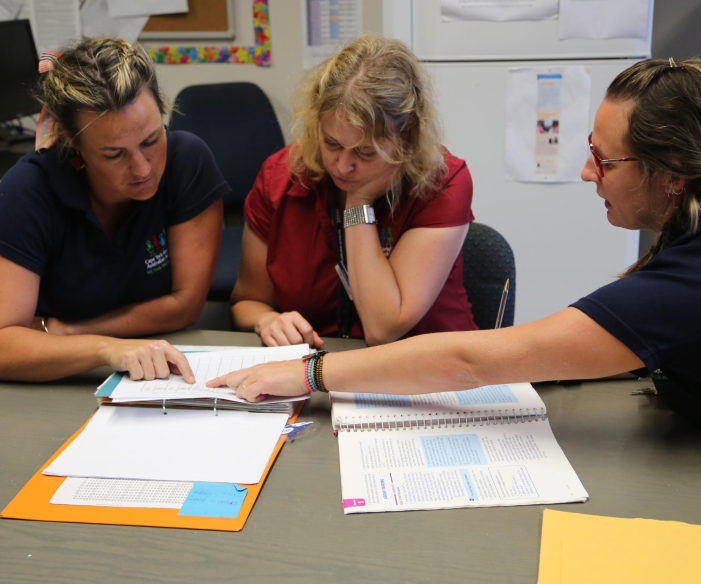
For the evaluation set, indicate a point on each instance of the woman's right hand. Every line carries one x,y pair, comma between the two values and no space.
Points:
288,328
145,359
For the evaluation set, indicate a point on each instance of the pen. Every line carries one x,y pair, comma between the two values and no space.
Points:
502,305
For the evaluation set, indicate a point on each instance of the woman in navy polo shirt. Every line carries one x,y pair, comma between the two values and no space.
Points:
114,232
646,165
365,190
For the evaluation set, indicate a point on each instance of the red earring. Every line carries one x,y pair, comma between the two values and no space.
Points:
77,161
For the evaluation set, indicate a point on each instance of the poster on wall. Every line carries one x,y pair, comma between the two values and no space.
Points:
327,24
604,19
456,10
547,123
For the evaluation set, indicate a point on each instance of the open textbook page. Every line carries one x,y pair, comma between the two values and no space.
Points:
205,366
481,465
517,401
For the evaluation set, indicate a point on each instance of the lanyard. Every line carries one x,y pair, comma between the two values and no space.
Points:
344,313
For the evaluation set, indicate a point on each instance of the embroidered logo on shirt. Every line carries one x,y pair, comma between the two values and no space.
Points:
386,240
659,375
157,248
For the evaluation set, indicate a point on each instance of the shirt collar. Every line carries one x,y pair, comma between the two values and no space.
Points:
303,185
69,185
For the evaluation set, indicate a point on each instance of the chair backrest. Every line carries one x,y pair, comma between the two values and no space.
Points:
487,263
239,125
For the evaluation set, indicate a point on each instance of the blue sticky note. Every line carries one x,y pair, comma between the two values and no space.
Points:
214,500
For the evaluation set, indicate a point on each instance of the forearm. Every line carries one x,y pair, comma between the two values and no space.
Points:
425,364
160,315
248,314
566,345
376,292
29,355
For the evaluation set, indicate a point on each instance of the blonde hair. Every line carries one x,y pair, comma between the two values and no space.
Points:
379,87
97,74
664,133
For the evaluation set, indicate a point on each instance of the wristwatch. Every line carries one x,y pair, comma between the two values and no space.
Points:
357,215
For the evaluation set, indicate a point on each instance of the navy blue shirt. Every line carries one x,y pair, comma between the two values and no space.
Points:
48,226
656,313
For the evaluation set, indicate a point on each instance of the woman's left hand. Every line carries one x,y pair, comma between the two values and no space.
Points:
281,378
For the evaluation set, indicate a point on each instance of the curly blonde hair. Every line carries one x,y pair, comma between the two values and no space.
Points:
380,88
98,74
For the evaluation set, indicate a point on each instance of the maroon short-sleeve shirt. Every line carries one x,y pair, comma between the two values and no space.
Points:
295,222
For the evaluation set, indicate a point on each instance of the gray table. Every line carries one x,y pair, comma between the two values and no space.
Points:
634,457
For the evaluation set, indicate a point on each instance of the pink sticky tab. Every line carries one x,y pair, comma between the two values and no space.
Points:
353,503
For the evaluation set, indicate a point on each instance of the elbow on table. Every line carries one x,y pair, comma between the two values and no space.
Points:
381,337
187,314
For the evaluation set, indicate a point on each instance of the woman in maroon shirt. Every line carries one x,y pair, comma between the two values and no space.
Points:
356,229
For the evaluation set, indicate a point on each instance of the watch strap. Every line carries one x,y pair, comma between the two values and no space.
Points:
358,215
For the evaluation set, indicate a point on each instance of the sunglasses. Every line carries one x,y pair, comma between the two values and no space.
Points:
599,162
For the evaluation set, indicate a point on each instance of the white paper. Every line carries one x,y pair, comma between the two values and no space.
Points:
122,493
477,466
456,10
120,8
203,348
604,19
96,21
522,122
207,366
54,22
9,9
328,24
184,445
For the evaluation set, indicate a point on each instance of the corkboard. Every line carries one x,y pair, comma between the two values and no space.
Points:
258,54
205,19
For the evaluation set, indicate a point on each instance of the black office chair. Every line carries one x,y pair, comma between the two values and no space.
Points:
487,263
238,123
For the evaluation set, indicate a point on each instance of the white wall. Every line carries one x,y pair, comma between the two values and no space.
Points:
277,81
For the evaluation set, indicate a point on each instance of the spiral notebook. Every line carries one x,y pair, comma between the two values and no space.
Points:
485,447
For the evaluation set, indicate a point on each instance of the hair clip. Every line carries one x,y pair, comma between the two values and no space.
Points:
47,61
673,64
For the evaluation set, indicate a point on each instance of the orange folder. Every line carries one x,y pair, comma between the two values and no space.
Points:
32,502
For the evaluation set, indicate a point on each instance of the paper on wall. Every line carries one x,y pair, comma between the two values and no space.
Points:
604,19
96,21
9,9
119,8
454,10
547,123
54,23
328,24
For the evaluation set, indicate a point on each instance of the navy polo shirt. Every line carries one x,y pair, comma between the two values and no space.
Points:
655,313
48,226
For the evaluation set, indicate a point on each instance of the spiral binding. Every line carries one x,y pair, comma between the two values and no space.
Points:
437,420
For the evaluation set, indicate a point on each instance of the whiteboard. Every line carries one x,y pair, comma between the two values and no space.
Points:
434,40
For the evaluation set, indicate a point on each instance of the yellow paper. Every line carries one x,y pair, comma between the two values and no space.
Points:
578,548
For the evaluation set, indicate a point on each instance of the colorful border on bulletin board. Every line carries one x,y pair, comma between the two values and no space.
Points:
258,54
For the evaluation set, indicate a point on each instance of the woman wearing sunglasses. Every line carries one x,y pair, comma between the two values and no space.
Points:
646,164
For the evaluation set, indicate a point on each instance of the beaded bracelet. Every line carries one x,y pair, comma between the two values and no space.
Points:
310,376
306,378
312,371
